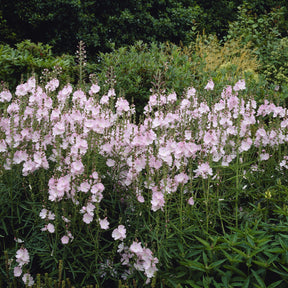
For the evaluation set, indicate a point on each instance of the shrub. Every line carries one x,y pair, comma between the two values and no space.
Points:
29,58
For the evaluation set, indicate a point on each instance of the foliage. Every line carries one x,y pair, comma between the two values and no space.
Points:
135,68
29,58
263,34
229,60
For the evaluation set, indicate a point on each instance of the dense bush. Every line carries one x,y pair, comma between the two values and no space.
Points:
263,34
29,58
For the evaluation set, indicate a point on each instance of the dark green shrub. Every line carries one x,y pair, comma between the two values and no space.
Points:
29,58
135,68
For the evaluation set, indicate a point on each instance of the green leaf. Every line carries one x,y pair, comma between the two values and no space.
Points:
216,264
205,243
193,284
246,283
240,252
259,280
236,270
194,264
275,284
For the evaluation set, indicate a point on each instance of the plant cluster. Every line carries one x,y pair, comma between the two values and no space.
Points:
83,183
29,58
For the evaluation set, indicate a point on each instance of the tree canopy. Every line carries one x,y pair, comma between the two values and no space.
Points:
102,24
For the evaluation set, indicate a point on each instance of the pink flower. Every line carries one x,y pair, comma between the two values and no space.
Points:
136,247
95,88
246,144
97,188
210,85
104,100
191,201
21,90
5,96
110,162
17,271
22,256
104,224
77,168
111,93
191,92
84,187
122,105
28,280
172,97
43,213
50,228
203,170
87,218
181,178
264,156
119,233
65,240
157,201
240,85
52,85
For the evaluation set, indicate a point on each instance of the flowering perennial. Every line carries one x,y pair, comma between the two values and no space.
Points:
179,140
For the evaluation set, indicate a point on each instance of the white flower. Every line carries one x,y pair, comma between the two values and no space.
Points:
119,233
104,224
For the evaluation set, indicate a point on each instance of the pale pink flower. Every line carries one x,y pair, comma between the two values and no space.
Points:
136,247
77,168
5,96
95,88
191,201
18,240
203,170
210,85
19,156
185,103
51,216
87,218
50,228
59,128
111,92
66,220
140,199
165,154
191,92
97,188
21,90
157,201
28,280
122,105
22,256
31,84
13,108
84,187
3,145
181,178
104,100
119,233
65,240
246,144
172,97
17,271
43,213
110,162
52,85
264,156
104,224
240,85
